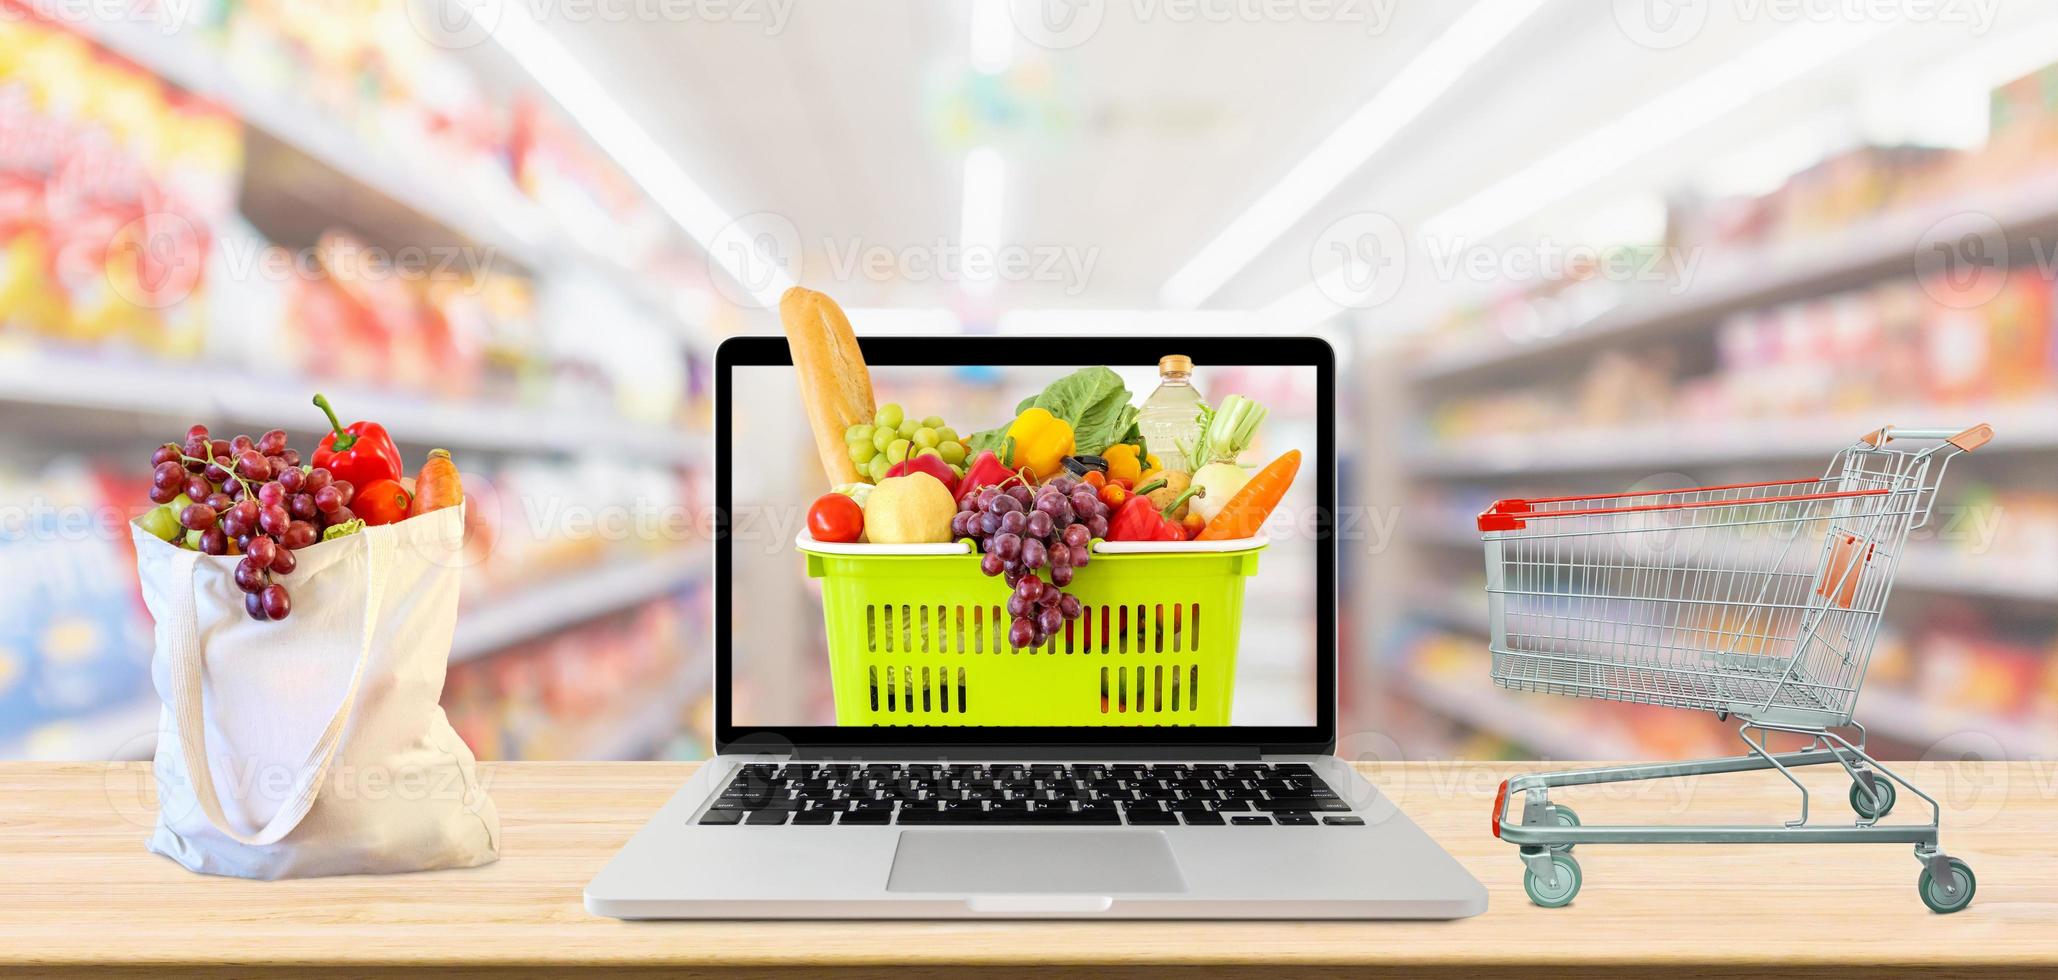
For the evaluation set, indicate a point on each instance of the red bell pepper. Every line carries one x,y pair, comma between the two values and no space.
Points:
1139,520
986,471
360,452
932,465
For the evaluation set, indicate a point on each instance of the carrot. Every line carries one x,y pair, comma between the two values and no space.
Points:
1245,513
437,486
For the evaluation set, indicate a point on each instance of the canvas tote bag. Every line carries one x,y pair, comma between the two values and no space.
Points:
314,745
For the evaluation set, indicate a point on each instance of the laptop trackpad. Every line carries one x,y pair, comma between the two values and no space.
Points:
1064,862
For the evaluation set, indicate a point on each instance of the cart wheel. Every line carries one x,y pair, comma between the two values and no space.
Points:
1865,804
1562,816
1558,893
1933,893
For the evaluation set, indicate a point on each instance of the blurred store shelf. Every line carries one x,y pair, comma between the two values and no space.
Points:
510,225
643,723
122,732
1479,704
1911,718
184,392
1863,251
488,210
539,610
2028,426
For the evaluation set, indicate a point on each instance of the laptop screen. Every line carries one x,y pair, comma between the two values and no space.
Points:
1049,545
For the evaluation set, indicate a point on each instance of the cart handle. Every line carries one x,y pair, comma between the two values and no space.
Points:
1966,440
1511,515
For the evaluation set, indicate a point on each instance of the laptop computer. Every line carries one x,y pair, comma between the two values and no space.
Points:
885,750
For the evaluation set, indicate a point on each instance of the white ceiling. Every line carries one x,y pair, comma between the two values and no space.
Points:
1158,130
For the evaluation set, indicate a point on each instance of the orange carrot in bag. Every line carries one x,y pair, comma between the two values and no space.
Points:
437,486
1245,513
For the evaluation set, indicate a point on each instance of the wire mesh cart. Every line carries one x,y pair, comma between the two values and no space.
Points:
1756,601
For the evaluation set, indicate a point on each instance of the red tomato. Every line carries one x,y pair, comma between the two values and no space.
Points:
835,517
381,502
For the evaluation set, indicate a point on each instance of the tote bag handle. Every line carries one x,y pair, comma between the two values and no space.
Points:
188,716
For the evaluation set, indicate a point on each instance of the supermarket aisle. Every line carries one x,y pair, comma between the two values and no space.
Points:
1558,248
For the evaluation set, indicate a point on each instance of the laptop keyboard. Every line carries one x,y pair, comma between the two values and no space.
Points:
1202,794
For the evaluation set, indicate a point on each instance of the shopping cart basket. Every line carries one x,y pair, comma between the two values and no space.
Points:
1759,601
917,636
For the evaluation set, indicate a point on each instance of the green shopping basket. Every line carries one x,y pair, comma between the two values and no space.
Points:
917,636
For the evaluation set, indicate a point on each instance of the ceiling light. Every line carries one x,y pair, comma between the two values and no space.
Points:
985,188
617,134
1412,90
993,36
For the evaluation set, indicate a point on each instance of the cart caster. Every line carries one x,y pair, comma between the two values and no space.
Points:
1940,898
1562,816
1877,804
1557,890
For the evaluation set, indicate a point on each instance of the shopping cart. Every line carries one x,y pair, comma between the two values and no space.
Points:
1758,601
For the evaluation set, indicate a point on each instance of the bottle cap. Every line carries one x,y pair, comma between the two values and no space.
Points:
1175,364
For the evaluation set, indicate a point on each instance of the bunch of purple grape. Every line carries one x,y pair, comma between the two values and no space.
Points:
1023,532
247,497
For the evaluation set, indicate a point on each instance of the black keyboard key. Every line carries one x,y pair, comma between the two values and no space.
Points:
1344,821
1233,806
874,817
1294,818
1250,820
1203,819
1148,815
814,817
876,806
1299,803
721,817
766,818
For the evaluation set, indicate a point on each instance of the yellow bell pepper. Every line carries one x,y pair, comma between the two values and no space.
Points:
1123,463
1039,441
1152,469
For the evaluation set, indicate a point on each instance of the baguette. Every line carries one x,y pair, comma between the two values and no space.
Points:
833,379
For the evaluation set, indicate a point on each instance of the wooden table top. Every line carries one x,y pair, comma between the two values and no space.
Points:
79,894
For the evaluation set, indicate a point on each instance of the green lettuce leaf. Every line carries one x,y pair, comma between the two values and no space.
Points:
1093,400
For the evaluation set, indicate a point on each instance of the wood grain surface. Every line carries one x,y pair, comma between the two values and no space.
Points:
80,895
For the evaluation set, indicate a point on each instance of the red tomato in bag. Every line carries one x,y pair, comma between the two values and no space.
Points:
835,517
381,502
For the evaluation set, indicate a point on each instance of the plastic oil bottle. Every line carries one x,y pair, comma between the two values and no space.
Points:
1169,418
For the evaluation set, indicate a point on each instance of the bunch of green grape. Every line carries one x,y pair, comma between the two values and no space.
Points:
892,437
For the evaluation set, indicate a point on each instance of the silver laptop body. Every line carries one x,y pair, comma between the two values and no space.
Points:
1315,840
